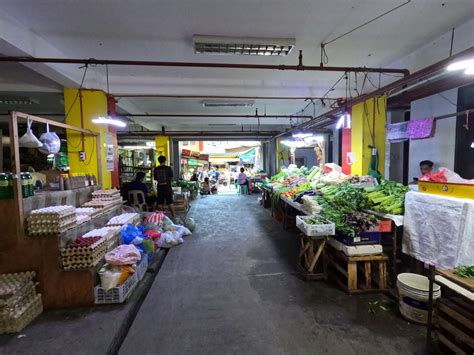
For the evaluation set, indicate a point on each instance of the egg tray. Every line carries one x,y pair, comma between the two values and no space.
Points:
132,219
23,316
85,250
81,262
17,301
48,231
82,219
113,242
14,282
51,216
56,224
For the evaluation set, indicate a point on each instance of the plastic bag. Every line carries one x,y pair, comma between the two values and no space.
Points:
109,277
455,178
29,140
123,255
434,177
51,142
181,230
190,224
169,240
156,218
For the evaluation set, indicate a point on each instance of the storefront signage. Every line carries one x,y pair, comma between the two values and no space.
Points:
204,157
109,152
185,153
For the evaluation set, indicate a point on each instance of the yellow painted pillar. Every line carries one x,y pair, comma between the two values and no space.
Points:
92,103
163,148
368,129
278,155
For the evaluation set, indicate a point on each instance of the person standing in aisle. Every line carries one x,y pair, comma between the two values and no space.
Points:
163,175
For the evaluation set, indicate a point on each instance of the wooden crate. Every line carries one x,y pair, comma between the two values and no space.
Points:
310,258
456,325
357,274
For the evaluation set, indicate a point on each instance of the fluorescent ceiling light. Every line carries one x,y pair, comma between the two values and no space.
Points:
294,144
243,45
151,144
313,140
302,135
463,64
227,103
136,147
469,71
472,145
344,121
109,120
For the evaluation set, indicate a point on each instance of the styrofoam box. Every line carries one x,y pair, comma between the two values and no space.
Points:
314,230
356,250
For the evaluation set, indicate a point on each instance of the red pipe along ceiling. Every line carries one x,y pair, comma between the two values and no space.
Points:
299,67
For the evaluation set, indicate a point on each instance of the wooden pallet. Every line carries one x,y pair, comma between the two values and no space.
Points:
310,259
357,274
456,325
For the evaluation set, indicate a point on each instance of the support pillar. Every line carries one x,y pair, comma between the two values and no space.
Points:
368,129
84,105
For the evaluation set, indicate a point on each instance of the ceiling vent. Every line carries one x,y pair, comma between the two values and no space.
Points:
243,45
227,103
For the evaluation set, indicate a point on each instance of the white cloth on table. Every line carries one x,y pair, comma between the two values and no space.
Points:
439,230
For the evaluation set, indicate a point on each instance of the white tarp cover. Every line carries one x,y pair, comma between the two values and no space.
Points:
439,230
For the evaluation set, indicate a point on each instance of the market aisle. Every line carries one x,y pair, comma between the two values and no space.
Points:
232,288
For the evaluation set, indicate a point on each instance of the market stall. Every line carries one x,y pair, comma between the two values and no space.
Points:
366,214
81,245
439,231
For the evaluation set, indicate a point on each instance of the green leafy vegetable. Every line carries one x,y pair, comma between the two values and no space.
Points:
465,271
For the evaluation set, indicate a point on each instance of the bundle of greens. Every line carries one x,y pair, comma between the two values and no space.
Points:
388,197
465,271
347,219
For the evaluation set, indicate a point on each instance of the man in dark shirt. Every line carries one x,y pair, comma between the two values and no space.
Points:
163,175
138,184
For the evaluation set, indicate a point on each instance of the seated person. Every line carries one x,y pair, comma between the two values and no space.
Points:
138,184
206,187
242,179
194,177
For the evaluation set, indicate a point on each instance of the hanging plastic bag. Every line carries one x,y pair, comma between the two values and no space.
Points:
29,140
51,142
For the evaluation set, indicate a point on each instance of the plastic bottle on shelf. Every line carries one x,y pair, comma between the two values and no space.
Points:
24,185
31,188
4,193
10,185
61,182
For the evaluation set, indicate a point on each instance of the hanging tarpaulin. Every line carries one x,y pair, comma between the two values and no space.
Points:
248,157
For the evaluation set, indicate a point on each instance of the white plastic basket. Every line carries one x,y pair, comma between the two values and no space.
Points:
142,267
117,294
120,293
315,230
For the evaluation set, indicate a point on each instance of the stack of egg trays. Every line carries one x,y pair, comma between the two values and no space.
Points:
83,257
19,302
51,223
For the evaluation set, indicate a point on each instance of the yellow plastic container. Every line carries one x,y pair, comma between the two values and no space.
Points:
447,189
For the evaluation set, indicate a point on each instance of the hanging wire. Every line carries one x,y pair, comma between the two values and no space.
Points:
448,100
366,23
107,77
73,103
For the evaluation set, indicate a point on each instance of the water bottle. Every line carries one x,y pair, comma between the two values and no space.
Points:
4,193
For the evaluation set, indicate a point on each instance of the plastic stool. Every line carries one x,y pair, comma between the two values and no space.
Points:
243,190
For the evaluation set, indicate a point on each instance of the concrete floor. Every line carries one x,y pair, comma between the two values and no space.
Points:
232,288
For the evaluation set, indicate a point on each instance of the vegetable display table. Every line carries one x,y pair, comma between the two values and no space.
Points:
310,257
372,268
